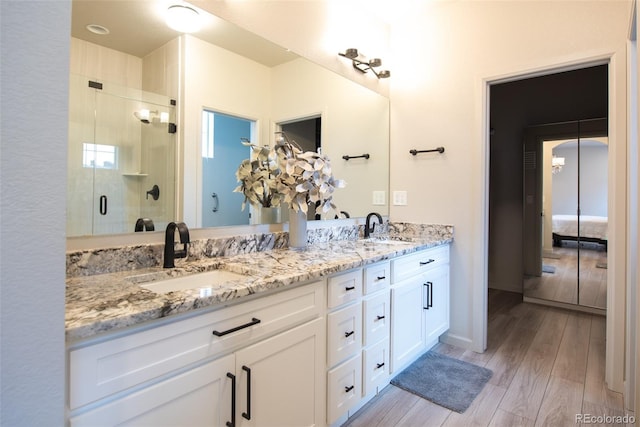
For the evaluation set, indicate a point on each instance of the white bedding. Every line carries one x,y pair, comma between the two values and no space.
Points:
594,227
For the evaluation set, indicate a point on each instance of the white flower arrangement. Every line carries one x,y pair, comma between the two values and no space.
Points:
258,178
286,174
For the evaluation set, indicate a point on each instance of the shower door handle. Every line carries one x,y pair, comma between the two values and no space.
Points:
103,205
216,202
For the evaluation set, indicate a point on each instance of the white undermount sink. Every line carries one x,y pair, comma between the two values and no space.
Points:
203,281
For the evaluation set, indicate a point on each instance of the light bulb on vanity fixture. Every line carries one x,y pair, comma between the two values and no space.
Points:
364,66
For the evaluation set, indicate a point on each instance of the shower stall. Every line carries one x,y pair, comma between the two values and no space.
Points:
121,158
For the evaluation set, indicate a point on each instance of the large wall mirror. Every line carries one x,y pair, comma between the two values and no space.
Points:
157,117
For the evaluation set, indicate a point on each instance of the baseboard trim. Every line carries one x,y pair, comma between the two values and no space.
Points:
574,307
458,341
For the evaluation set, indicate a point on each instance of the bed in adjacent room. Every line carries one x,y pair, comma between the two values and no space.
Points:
592,229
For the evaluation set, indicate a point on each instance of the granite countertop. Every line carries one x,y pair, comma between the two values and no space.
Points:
111,302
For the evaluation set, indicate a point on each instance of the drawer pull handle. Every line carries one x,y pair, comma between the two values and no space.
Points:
349,288
380,317
379,365
348,334
427,262
381,277
247,414
254,321
232,423
348,389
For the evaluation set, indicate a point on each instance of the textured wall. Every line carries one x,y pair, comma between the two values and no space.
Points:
35,70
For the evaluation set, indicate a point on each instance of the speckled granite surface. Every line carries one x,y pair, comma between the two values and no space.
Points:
109,302
128,258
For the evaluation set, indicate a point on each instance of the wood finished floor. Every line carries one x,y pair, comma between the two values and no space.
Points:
548,365
562,284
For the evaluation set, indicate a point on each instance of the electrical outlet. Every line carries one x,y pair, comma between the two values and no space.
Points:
379,198
400,198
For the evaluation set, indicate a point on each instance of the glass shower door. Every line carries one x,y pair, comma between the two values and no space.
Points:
121,158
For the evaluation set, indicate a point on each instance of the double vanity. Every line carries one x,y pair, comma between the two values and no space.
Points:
238,336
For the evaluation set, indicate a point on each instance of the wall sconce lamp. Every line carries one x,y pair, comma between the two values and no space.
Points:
556,164
364,66
146,116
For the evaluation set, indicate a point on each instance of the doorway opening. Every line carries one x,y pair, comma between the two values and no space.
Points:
307,134
222,152
515,106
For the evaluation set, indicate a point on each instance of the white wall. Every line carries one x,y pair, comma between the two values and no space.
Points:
444,53
34,72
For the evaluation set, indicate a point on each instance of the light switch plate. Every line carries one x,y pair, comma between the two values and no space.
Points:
400,198
379,198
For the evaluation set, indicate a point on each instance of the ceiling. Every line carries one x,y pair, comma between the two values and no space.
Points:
137,27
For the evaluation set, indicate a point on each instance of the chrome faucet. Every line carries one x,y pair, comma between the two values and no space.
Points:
170,253
370,227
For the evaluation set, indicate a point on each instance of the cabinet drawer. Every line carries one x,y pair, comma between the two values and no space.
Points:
107,367
344,288
377,277
377,316
375,365
410,265
344,388
344,333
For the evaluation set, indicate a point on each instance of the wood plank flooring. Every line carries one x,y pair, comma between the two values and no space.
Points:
562,285
548,366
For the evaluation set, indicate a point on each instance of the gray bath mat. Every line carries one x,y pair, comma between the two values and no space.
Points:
445,381
548,269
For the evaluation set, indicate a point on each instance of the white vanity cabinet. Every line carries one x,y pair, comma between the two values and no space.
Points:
419,303
181,373
357,339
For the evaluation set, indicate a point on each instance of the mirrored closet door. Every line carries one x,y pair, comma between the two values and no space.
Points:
566,212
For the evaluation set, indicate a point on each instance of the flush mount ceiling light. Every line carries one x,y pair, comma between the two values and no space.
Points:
97,29
183,18
364,66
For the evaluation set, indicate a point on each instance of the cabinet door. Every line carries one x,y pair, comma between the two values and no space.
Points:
199,397
435,297
280,379
407,322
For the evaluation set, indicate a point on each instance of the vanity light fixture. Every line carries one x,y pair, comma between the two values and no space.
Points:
364,66
183,18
